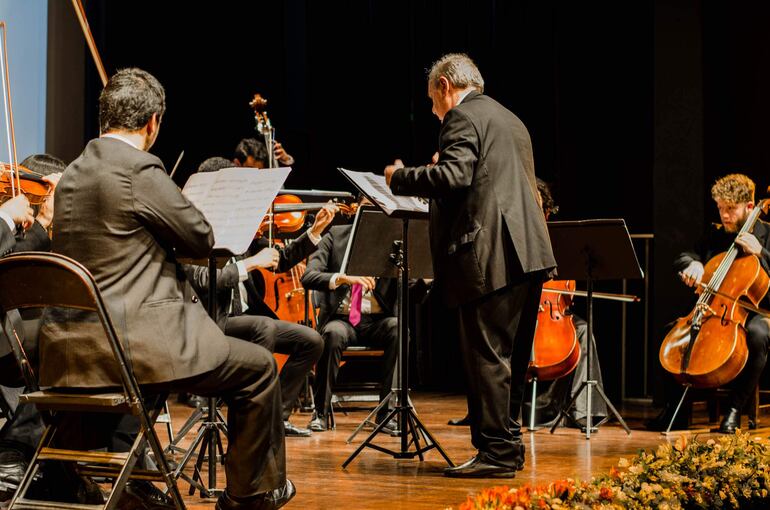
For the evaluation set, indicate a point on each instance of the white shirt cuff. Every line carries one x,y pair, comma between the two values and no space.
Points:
333,282
313,238
8,219
243,275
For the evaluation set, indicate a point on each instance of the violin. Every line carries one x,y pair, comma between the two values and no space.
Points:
15,179
707,348
288,213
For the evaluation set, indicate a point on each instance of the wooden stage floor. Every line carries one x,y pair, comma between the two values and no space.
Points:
375,480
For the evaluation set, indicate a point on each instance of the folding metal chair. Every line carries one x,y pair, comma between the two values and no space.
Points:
37,280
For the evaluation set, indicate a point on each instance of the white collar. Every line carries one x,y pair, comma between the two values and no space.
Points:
121,138
465,94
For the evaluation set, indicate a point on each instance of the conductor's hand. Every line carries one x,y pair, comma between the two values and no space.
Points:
434,159
693,274
324,218
749,243
19,210
367,282
390,169
267,258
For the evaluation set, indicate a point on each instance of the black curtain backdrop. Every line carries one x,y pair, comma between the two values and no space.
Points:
346,86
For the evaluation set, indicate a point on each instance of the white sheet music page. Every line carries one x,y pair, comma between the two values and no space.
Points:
235,201
374,186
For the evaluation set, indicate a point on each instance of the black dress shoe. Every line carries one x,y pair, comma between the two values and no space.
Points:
660,423
390,428
317,423
460,422
730,422
481,466
13,465
143,495
290,430
268,501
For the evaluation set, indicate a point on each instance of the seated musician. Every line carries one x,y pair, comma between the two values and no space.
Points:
734,199
561,391
20,435
121,216
342,323
259,325
252,152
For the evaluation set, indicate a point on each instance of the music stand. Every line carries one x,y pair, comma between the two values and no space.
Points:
234,201
592,250
402,260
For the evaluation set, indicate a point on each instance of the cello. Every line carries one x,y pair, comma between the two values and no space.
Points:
707,348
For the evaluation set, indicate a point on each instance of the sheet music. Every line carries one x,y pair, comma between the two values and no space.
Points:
375,188
235,201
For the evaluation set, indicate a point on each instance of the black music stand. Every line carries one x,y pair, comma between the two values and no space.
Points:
379,259
211,420
592,250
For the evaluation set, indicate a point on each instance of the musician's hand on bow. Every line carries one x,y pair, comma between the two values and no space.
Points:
323,218
693,274
749,243
367,282
390,169
45,213
267,258
19,210
281,155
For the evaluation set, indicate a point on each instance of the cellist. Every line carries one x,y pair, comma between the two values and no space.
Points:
734,198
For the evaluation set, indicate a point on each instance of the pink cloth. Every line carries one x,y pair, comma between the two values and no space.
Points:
356,292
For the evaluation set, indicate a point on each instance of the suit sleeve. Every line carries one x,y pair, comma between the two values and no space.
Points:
227,277
35,239
295,252
168,214
316,275
7,240
458,155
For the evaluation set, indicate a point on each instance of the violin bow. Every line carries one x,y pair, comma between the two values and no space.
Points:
81,14
176,165
737,301
8,110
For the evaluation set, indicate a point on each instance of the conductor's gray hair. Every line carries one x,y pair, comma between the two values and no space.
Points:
459,70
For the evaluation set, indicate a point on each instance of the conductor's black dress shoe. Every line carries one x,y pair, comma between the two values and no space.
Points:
481,466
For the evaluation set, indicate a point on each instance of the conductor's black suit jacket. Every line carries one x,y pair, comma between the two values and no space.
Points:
486,225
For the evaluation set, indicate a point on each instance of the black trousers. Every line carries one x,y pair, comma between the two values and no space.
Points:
303,345
375,331
496,333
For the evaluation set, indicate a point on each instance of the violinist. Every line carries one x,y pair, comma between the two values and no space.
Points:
734,199
120,215
243,313
20,435
251,152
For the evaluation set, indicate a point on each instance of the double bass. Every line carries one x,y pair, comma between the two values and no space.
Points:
707,348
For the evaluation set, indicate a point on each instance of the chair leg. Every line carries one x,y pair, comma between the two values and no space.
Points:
753,409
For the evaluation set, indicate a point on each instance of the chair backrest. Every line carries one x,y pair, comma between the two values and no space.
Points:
38,280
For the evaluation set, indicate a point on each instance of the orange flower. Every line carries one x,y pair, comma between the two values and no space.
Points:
605,493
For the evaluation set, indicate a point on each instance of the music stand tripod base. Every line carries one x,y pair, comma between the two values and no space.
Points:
409,424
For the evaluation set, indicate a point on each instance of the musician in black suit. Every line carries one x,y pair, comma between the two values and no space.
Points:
490,248
243,313
121,216
376,325
734,197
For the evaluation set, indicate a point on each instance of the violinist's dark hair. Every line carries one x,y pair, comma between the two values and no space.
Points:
549,204
44,164
215,164
251,147
129,100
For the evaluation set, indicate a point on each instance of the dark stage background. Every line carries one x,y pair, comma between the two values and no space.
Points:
634,108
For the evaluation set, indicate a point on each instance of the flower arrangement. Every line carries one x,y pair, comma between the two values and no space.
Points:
728,472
